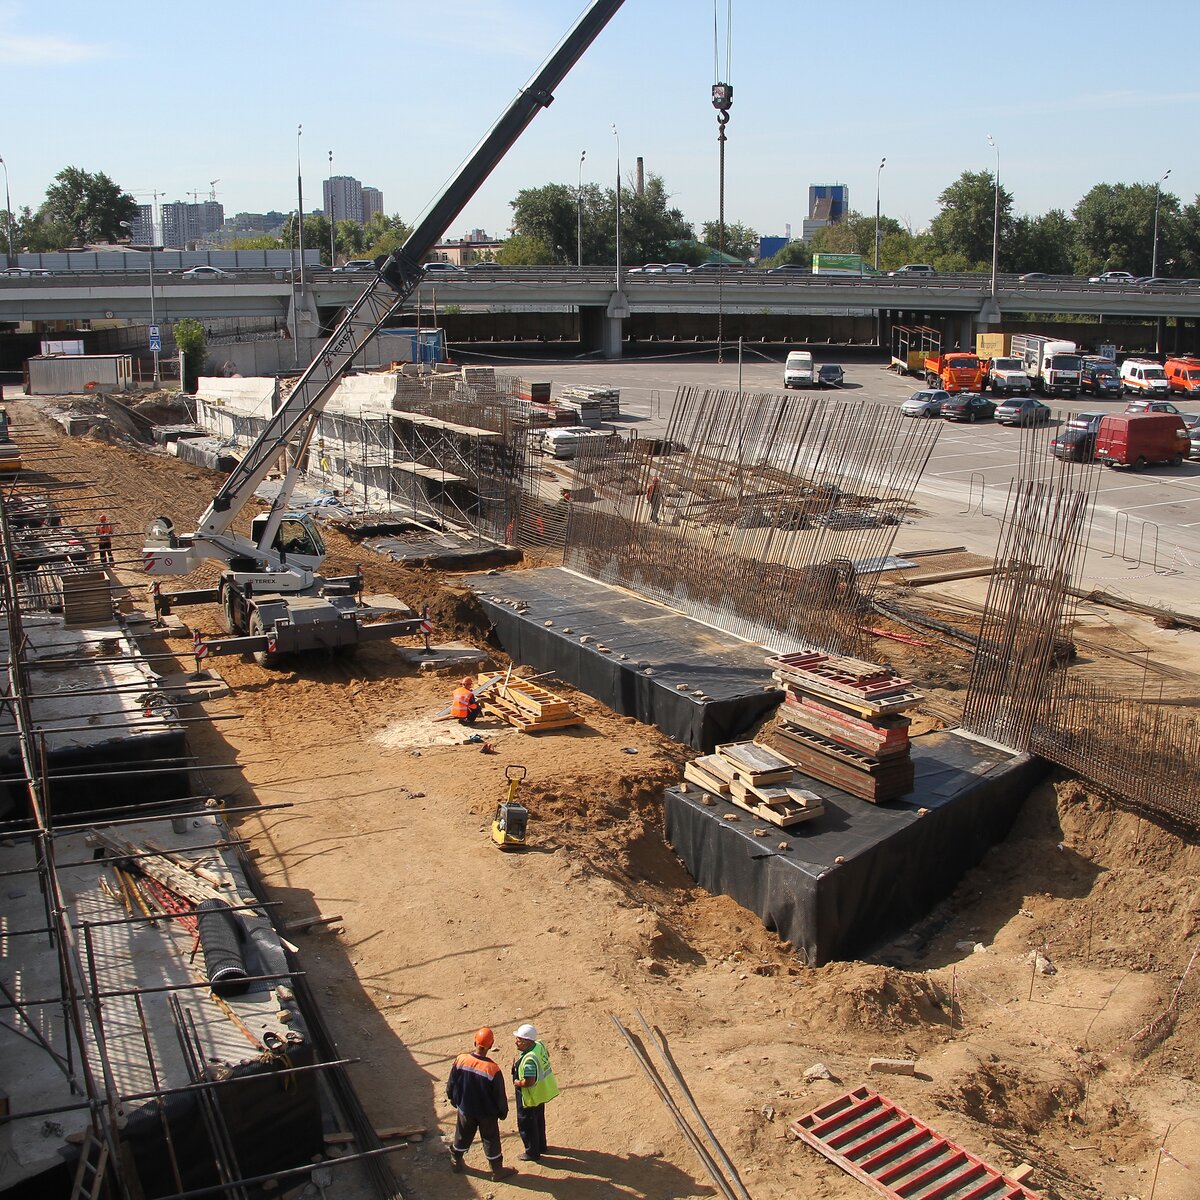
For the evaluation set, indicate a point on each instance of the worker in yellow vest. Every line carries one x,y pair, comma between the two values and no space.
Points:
535,1087
464,707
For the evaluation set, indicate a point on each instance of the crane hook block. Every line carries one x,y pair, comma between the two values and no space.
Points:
722,97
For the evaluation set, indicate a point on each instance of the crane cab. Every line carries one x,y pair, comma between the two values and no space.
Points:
298,539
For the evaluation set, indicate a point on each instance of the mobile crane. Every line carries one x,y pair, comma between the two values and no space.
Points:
270,591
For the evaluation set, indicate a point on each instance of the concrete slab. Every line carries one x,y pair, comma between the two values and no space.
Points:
448,657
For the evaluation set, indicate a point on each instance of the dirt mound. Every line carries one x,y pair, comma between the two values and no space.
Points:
997,1095
872,999
456,612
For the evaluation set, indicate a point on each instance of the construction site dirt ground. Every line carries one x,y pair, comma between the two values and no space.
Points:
1088,1073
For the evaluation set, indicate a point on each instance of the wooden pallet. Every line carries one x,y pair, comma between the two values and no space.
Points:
897,1155
869,737
877,788
864,706
525,705
753,763
782,802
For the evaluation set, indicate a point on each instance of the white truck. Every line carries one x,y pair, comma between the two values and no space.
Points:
1054,365
798,370
1007,376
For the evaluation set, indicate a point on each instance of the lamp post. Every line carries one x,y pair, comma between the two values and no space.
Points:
579,210
618,137
1157,197
332,223
995,217
878,176
300,203
153,317
8,257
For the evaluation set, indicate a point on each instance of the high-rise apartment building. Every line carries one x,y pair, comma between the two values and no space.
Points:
828,203
142,233
184,223
347,200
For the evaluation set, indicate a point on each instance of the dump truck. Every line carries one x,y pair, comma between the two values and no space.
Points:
955,371
270,591
1006,375
911,345
1054,365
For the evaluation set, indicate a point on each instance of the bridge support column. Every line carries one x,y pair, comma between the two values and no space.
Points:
602,329
302,318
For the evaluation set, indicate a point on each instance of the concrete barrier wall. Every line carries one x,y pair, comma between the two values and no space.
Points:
284,356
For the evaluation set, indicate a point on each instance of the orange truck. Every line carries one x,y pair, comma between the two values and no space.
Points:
955,371
1183,374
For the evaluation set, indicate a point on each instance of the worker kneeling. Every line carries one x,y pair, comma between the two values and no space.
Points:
464,707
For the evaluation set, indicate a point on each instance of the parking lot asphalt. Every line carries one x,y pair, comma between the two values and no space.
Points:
1144,539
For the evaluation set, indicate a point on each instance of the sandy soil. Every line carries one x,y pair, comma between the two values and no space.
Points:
1083,1073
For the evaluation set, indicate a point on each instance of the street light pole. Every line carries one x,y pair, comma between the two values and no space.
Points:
995,218
332,223
579,209
878,176
1157,197
618,137
300,202
8,214
128,225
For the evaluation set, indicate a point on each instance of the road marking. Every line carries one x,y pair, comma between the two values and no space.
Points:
1162,503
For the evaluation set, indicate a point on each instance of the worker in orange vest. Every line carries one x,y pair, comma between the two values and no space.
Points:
464,707
104,538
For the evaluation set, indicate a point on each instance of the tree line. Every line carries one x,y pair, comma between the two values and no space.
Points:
1110,228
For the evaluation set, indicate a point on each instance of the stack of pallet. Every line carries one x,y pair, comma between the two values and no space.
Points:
842,722
479,377
86,600
524,705
592,404
538,393
757,779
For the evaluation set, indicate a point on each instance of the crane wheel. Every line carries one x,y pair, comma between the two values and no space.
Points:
264,658
229,610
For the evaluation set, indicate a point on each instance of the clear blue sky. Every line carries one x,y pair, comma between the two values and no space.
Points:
173,96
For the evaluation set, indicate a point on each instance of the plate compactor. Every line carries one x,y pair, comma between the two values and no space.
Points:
511,822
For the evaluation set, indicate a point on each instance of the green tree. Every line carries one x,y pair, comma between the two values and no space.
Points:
1042,243
855,234
1187,242
1114,228
648,225
549,215
193,346
794,254
91,207
962,231
521,250
383,234
261,241
740,240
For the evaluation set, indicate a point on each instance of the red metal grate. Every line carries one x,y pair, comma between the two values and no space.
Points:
900,1157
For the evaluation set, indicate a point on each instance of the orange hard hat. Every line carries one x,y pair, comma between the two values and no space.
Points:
485,1039
468,681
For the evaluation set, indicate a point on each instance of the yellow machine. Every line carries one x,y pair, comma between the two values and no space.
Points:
511,822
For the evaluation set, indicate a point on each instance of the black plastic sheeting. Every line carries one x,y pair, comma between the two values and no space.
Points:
206,452
898,861
445,552
638,635
221,939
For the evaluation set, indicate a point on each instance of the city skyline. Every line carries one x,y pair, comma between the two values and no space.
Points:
810,105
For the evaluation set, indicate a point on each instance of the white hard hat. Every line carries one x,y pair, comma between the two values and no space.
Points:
527,1033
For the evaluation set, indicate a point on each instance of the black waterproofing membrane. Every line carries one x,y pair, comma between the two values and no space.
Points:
208,452
221,940
444,551
636,656
897,860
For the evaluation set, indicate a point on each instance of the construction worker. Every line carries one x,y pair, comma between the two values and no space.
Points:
104,538
464,707
476,1089
534,1086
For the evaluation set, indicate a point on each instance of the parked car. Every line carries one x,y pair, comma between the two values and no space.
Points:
1077,441
23,272
1113,277
206,273
1099,376
1192,422
356,264
1023,410
968,406
830,375
798,370
919,270
925,403
442,268
1144,377
1158,406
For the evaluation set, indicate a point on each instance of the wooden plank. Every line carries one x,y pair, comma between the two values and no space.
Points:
697,772
785,818
752,757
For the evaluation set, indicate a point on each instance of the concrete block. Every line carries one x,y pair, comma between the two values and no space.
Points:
892,1066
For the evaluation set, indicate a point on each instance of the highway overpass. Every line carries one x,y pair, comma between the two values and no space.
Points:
949,299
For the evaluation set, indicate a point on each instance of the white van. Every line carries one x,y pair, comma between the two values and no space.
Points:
798,370
566,441
1144,378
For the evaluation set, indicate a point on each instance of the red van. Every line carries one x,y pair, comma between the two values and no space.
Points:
1135,439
